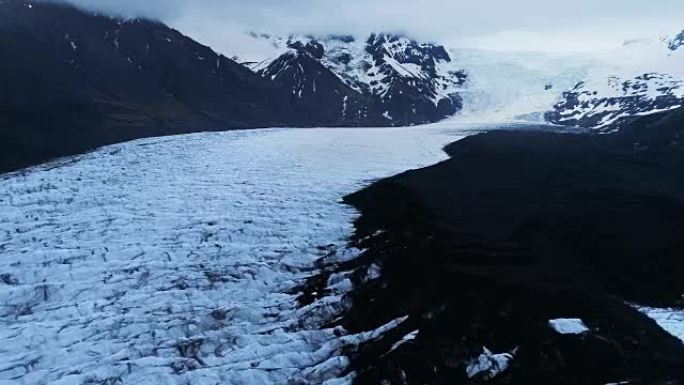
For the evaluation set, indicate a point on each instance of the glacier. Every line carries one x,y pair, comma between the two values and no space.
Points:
642,77
177,260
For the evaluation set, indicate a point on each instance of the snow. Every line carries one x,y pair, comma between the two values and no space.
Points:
374,272
176,260
641,78
568,326
671,320
289,60
489,364
71,41
502,85
405,339
360,71
344,106
608,96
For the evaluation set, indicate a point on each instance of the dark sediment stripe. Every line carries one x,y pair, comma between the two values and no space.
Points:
514,230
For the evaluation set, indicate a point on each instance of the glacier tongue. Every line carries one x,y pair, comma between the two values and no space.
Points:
516,85
173,260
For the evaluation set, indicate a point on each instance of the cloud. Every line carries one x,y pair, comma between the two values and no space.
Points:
546,23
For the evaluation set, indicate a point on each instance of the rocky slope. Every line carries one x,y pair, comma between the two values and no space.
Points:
634,87
300,72
407,81
599,103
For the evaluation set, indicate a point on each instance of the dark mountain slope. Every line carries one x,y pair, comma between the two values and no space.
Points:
71,81
300,72
516,229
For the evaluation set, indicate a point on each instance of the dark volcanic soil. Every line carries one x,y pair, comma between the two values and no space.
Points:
518,228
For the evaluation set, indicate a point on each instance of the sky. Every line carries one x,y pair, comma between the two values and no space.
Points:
556,26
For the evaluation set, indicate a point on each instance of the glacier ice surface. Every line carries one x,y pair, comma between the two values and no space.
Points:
568,326
176,260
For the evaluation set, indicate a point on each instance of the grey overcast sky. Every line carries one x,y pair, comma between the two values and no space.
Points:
546,25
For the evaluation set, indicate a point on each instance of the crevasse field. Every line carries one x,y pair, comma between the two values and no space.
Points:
173,260
176,260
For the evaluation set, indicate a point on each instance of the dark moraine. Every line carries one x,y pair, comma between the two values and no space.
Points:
518,228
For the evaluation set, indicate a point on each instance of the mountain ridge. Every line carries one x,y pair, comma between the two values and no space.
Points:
410,82
650,81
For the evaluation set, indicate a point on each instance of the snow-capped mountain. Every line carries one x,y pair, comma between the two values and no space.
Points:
407,81
645,77
300,71
600,103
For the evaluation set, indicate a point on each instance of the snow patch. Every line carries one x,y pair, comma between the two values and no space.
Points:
489,365
407,338
671,320
568,326
374,272
71,41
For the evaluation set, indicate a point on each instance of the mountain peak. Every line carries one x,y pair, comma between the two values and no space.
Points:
312,47
403,48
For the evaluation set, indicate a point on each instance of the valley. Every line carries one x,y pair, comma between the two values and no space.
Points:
369,206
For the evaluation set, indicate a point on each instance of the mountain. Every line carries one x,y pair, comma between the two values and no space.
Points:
407,81
72,80
301,73
645,79
601,103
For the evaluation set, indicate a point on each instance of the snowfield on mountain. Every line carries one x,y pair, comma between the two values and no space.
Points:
406,81
641,78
